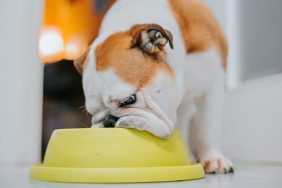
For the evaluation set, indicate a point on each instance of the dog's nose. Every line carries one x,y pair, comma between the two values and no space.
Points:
110,121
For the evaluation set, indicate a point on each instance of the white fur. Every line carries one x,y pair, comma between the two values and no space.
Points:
193,97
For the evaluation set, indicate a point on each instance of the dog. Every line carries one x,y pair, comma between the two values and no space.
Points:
157,65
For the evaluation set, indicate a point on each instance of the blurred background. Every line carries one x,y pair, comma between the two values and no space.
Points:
41,90
69,27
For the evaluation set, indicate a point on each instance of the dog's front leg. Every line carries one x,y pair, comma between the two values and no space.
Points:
206,129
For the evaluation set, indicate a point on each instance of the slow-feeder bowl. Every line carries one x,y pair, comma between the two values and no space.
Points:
115,155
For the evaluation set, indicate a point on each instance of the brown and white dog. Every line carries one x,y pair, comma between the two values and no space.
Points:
158,64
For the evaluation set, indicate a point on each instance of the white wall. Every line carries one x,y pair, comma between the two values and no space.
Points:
20,82
252,128
260,28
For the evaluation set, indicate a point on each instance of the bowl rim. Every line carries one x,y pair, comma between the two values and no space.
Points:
117,175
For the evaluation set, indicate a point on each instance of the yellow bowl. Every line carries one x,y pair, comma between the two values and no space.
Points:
115,155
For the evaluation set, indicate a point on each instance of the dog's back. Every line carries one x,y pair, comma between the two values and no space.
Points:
188,20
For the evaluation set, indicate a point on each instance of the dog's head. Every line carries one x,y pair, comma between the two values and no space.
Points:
125,69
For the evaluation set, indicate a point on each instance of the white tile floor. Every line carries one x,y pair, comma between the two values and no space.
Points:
246,176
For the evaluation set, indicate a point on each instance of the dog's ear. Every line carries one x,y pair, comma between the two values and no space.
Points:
80,62
151,38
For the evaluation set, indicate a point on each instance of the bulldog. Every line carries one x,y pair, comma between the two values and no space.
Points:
157,65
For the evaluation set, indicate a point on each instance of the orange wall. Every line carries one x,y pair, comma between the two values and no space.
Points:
77,20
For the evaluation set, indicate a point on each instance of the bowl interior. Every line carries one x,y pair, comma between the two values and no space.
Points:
114,147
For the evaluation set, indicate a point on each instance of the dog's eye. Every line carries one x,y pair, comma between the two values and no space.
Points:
128,101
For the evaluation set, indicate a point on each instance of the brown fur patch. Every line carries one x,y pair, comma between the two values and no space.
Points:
130,63
199,27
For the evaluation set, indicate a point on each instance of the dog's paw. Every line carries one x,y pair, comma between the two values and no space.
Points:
215,162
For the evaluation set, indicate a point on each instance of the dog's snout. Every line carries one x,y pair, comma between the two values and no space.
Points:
110,121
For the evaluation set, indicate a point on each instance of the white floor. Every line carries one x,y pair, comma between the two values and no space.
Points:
245,176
